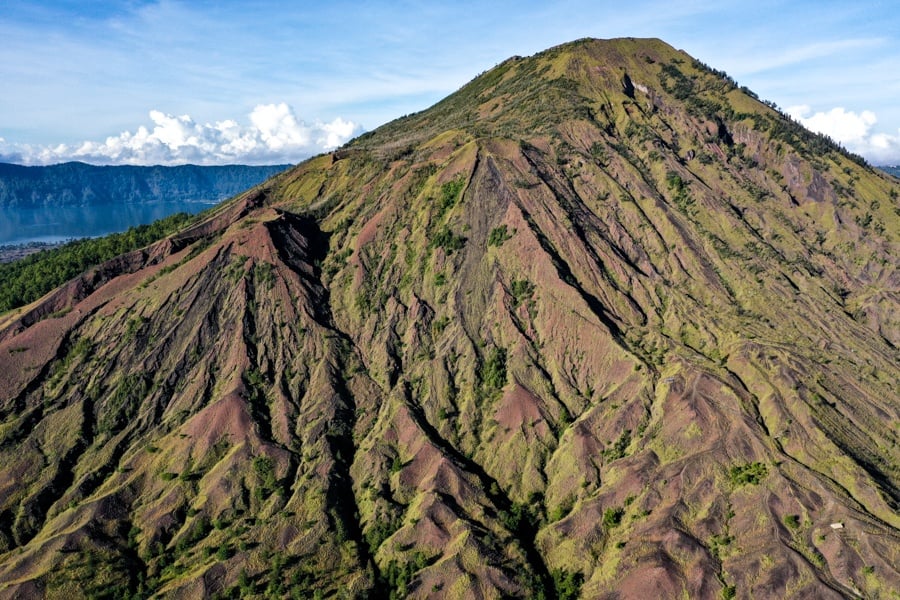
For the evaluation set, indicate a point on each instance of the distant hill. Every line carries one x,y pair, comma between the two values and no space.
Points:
75,183
895,170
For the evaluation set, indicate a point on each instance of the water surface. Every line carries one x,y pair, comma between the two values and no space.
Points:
58,224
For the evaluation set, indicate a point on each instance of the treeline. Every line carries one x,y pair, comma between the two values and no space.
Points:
786,129
26,280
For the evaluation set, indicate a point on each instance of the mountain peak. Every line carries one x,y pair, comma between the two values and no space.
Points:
600,324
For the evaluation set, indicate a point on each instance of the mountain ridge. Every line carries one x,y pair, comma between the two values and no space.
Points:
599,324
77,183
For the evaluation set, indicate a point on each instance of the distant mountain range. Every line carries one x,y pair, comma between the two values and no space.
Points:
895,170
79,184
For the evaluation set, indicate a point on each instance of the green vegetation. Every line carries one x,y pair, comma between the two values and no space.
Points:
679,188
26,280
522,516
612,517
619,447
492,374
522,290
750,473
567,584
792,521
498,236
123,404
264,467
263,275
381,530
448,240
563,509
398,575
675,82
450,194
807,143
396,464
440,324
718,542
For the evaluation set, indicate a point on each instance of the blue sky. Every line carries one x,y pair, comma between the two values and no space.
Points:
168,82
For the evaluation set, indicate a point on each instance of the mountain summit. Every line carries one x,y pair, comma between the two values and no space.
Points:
600,324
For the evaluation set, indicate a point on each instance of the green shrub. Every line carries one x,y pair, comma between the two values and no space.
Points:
612,517
398,575
448,240
675,82
396,464
564,508
619,447
522,290
381,529
749,473
265,469
223,552
679,188
498,236
493,371
519,517
567,584
440,324
450,193
123,404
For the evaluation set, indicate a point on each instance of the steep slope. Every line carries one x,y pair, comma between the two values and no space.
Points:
600,323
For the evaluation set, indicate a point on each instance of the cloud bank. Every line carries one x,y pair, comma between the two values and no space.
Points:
275,135
853,131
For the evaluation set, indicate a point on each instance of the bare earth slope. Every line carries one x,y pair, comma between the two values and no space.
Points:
601,324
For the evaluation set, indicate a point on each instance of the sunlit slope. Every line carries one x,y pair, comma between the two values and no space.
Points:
600,324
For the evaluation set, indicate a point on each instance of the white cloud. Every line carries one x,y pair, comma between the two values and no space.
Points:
274,135
853,131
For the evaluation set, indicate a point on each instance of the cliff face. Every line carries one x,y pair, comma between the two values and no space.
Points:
600,323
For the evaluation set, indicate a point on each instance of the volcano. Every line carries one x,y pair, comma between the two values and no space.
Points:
600,324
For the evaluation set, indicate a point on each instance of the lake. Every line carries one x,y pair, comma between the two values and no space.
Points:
58,224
